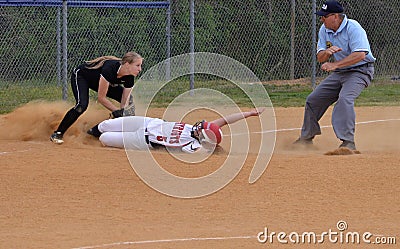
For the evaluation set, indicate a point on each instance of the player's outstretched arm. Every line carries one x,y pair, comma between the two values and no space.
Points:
232,118
102,94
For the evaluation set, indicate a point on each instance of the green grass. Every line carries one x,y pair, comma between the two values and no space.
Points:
17,95
380,93
377,94
288,95
14,96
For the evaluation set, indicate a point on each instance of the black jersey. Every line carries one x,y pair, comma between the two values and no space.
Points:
109,71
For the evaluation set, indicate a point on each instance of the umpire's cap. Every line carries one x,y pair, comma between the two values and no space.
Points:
330,7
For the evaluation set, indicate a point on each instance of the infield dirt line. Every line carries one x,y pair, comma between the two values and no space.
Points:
322,126
164,241
12,152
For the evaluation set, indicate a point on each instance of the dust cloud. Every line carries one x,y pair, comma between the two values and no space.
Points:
377,129
342,151
37,120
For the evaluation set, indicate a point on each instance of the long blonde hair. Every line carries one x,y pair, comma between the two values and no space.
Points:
129,58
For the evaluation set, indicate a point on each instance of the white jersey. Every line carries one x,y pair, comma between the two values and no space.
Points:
172,134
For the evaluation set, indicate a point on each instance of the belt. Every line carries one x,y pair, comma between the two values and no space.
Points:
146,136
151,144
368,64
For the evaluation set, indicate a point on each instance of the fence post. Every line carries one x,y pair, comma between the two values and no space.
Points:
64,49
168,36
292,42
191,45
314,43
59,47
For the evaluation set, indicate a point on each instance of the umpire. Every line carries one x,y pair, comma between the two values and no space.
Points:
351,70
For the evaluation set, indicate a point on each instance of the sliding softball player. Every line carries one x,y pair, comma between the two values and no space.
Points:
140,133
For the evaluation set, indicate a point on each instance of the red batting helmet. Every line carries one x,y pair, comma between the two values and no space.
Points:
212,133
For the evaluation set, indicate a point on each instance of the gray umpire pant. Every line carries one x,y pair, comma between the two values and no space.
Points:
342,87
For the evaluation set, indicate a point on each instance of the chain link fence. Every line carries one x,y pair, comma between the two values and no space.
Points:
274,38
32,39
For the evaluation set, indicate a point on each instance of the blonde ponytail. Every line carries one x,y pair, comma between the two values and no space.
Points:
98,62
129,58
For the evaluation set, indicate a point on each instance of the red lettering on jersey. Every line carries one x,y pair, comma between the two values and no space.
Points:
176,133
161,138
179,126
174,141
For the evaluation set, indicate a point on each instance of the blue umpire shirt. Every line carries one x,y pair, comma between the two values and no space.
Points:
350,37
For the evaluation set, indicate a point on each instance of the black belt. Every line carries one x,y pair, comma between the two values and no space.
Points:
154,145
146,137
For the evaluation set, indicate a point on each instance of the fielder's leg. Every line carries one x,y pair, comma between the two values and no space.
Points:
80,90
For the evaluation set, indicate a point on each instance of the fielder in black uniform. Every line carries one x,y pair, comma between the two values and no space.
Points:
110,77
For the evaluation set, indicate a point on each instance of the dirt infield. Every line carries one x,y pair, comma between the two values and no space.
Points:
83,195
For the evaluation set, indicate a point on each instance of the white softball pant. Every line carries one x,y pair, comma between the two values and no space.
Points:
124,132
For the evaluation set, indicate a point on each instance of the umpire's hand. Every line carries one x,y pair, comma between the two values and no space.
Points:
117,113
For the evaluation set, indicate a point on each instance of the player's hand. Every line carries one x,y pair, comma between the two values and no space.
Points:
257,111
117,113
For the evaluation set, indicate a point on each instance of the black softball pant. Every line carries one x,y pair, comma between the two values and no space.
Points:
80,88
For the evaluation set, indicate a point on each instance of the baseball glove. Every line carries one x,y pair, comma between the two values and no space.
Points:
117,113
129,110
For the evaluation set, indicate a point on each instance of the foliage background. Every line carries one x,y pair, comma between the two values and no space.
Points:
273,38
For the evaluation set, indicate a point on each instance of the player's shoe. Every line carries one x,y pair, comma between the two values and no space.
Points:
94,131
348,144
57,137
302,141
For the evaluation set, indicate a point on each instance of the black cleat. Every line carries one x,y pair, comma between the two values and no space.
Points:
94,131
